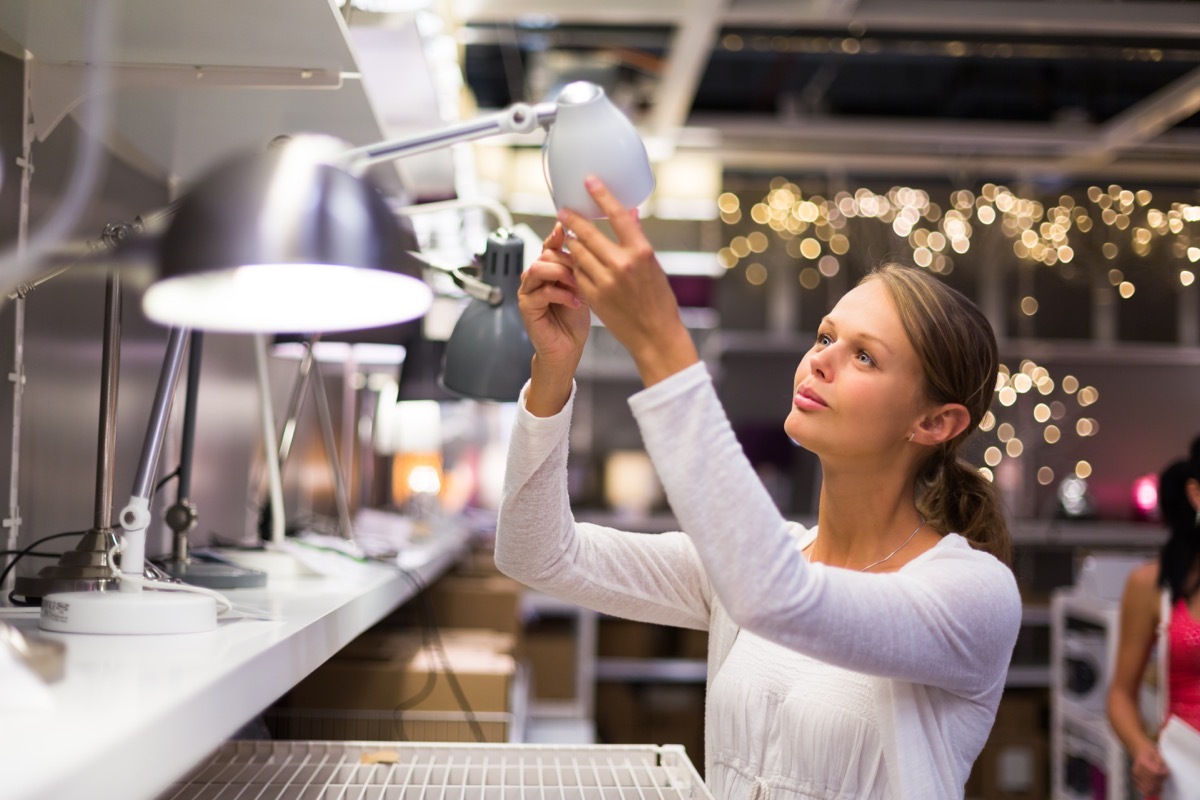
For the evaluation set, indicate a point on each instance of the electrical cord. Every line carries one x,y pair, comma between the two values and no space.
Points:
430,630
28,550
165,479
31,553
138,580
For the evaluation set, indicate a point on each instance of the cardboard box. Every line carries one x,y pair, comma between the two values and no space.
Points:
625,638
1014,767
550,648
398,672
1024,712
483,601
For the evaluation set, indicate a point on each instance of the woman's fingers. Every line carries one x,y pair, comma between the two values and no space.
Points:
624,221
546,271
556,238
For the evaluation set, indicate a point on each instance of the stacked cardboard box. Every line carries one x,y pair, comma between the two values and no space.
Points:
405,678
1014,762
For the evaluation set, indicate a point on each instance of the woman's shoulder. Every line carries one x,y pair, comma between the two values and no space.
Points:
955,558
1141,587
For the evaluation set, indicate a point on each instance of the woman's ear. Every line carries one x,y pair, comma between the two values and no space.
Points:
1192,488
943,424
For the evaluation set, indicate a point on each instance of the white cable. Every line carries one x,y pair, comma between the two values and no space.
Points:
137,580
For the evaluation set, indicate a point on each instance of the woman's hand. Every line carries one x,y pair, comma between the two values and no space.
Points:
624,284
1149,770
557,322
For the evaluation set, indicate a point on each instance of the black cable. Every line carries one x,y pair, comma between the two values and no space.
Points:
29,550
12,599
31,553
430,623
163,481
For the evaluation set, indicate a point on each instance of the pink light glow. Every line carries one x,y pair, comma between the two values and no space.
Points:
1145,493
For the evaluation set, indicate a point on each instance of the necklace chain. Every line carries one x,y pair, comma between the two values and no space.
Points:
898,549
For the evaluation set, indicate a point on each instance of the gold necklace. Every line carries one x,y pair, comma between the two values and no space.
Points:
898,549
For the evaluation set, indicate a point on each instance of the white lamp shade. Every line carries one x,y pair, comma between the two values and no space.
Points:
287,297
591,136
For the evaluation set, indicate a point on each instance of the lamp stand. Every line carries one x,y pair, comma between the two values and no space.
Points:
197,568
131,610
87,566
271,558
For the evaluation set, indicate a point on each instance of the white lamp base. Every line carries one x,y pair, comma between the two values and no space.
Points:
273,560
146,612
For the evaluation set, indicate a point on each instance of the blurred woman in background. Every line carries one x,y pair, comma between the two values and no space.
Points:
1161,604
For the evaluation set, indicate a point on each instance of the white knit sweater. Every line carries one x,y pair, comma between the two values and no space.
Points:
842,684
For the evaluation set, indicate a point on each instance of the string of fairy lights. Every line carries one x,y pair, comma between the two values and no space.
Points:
1055,417
815,229
1100,233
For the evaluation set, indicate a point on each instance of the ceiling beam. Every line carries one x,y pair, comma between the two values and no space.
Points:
1141,122
894,147
688,54
1069,18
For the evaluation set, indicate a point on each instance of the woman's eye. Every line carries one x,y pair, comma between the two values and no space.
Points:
865,358
824,339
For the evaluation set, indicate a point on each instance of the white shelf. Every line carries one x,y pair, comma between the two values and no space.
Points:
652,670
135,713
196,82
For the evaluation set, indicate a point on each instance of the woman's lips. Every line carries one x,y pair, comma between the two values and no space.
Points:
807,400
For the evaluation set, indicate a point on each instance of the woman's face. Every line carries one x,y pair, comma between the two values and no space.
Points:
860,390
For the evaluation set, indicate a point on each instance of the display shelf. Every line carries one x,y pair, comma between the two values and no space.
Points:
579,708
1086,758
133,714
652,670
1027,677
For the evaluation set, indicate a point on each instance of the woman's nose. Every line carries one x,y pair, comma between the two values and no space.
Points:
819,363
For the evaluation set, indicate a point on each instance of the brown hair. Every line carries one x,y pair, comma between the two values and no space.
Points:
957,349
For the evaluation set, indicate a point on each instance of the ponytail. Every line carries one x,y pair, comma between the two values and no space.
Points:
957,349
955,498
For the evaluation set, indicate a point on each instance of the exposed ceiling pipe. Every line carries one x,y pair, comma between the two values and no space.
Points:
1140,122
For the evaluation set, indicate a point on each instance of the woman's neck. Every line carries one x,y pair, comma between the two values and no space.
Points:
864,518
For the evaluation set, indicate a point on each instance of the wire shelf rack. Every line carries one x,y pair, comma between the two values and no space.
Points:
408,726
406,771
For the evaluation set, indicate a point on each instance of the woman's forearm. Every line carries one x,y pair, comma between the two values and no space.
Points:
549,388
1126,720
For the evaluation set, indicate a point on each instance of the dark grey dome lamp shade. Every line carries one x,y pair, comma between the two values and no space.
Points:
488,354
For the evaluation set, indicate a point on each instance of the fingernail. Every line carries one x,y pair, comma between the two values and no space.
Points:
562,216
591,182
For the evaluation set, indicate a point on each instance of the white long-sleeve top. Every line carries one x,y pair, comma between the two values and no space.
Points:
822,682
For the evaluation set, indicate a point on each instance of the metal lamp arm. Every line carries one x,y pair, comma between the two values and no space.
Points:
517,118
135,517
480,290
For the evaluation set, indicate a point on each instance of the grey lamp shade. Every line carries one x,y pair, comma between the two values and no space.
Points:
286,240
488,354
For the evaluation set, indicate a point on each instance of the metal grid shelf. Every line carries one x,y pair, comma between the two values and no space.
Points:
407,771
408,726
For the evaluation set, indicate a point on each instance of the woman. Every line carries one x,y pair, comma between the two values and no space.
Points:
1176,572
864,657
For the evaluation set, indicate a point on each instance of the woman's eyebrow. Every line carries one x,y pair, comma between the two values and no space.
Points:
875,342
